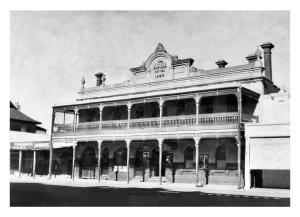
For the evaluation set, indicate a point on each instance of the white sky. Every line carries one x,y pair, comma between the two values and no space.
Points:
52,51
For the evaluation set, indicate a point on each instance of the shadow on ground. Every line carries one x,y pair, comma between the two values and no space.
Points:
34,194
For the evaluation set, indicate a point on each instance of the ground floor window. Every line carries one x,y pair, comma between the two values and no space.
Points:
203,160
120,157
188,158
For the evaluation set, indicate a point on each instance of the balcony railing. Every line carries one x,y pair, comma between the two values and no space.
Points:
63,128
179,121
145,123
218,118
142,123
94,125
115,124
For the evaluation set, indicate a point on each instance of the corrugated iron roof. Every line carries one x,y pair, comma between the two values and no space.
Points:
17,115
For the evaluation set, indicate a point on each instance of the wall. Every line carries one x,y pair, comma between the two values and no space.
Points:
270,153
17,125
275,108
276,178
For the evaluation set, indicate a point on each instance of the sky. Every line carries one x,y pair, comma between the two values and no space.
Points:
50,51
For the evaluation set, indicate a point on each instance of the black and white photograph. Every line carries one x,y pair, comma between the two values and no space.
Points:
149,108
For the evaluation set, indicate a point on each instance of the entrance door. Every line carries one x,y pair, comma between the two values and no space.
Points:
105,162
138,163
155,163
88,163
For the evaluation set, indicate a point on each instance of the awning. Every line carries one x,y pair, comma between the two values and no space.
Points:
62,144
29,141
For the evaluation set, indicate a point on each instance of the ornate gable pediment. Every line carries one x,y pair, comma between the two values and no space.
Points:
159,66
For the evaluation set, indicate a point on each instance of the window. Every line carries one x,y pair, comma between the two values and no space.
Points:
188,158
203,160
23,128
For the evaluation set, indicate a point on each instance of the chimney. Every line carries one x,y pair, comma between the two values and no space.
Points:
18,106
267,46
100,78
251,58
221,63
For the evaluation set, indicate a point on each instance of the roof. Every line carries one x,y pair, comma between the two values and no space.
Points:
19,116
11,105
40,128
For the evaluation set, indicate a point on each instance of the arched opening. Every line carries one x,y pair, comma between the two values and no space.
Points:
120,157
154,162
220,157
145,110
188,158
218,104
42,162
179,107
105,161
88,163
114,113
89,115
138,162
62,161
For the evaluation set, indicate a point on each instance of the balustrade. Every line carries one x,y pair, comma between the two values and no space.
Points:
218,118
63,128
93,125
169,121
144,123
115,124
177,121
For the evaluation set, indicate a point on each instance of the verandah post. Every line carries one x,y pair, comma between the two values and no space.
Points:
34,161
197,140
160,145
99,159
20,162
128,159
73,160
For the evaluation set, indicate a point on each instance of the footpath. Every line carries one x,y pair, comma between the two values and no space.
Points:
179,187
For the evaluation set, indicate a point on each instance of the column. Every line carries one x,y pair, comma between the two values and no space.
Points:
64,116
161,103
75,119
239,161
197,100
197,140
160,144
247,165
20,162
128,158
129,108
99,159
34,162
50,160
100,119
73,160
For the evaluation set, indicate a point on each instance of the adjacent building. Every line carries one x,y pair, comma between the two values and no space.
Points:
29,144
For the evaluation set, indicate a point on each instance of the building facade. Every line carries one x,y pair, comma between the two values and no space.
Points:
29,145
171,122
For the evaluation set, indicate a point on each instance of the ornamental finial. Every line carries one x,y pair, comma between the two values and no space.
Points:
258,53
82,82
160,48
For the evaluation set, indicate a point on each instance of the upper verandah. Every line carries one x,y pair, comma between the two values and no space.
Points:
162,71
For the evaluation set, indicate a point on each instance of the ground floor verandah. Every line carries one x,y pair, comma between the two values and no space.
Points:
202,161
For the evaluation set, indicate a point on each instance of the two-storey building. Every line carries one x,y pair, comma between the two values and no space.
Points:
171,122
